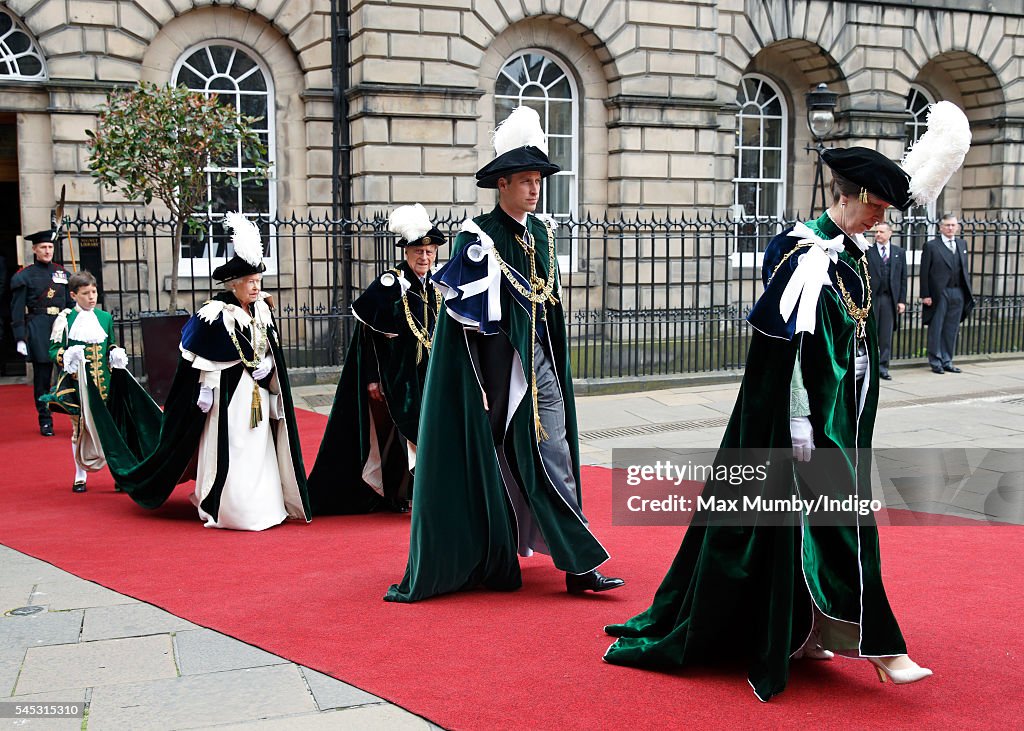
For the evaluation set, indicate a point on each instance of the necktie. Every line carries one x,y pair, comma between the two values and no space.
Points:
885,253
951,245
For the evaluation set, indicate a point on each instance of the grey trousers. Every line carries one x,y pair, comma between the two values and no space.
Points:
554,451
945,324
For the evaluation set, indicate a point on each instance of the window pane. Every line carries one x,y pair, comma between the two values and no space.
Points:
503,108
535,92
187,78
222,83
254,105
558,194
750,130
772,132
560,151
5,23
255,196
225,197
560,120
774,108
768,202
30,66
201,63
750,163
561,90
253,82
516,71
18,42
550,74
750,89
746,196
534,62
222,58
772,164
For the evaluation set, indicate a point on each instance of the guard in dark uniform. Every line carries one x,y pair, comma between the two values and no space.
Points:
39,291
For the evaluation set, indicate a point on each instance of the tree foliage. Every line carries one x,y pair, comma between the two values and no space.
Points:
160,142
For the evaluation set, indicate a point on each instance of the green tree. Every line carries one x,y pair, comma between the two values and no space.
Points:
161,141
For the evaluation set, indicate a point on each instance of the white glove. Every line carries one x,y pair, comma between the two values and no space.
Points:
22,348
74,357
803,438
118,358
205,400
263,369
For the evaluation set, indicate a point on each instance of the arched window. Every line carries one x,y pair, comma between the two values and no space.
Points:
533,79
918,102
20,59
227,70
761,154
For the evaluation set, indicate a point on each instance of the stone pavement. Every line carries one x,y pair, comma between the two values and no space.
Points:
138,667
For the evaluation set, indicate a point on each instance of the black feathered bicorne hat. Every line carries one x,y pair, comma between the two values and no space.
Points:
248,258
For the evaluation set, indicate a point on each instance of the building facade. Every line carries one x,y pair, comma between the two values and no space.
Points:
653,108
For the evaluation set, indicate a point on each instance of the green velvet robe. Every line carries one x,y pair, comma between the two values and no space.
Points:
747,591
383,350
464,531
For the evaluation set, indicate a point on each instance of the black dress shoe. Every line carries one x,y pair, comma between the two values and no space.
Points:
938,369
951,369
398,505
885,376
78,487
590,581
46,430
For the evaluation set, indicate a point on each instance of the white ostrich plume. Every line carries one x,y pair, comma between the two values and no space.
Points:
938,153
245,236
520,128
411,223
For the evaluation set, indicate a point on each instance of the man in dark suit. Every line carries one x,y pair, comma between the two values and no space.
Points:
945,293
887,267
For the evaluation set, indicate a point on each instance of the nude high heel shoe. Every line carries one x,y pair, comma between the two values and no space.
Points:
901,676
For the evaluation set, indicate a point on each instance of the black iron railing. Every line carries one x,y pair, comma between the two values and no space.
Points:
642,296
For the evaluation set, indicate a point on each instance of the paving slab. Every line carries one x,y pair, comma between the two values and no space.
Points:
61,723
202,650
14,596
75,593
90,664
331,693
44,628
130,620
10,665
198,701
20,569
365,718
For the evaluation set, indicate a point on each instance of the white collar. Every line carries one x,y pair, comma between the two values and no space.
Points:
86,328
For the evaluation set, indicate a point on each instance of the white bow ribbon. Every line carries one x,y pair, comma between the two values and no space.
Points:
810,275
491,282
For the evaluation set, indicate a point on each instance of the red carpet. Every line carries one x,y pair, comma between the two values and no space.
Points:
528,659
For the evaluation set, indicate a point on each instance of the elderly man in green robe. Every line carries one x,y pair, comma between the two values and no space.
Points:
498,456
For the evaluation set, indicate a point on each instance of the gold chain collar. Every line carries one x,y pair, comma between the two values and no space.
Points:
424,335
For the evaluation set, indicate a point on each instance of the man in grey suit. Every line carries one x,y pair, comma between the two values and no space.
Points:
945,293
887,267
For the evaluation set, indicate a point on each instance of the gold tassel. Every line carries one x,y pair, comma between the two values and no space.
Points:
256,413
863,195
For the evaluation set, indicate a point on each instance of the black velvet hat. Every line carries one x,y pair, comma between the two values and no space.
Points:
41,237
519,160
413,226
433,236
521,146
237,267
873,172
248,258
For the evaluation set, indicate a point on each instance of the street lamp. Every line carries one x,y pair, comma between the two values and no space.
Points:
821,104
